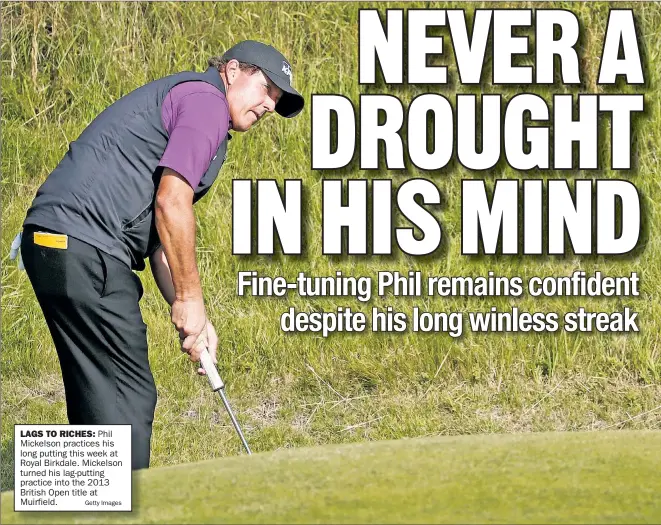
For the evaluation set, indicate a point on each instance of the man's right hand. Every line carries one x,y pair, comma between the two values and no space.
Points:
190,319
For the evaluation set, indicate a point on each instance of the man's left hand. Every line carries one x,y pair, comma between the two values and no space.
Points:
212,339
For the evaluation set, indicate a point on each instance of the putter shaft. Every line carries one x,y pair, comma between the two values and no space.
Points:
221,391
217,385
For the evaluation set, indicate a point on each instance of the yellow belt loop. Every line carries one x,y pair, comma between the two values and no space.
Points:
51,240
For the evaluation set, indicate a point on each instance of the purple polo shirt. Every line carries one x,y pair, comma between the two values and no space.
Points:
196,117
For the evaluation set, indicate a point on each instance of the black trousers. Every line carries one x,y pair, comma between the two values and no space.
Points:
90,302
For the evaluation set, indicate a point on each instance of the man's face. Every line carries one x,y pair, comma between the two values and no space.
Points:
250,96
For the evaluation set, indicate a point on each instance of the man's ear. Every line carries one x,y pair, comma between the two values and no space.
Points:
231,70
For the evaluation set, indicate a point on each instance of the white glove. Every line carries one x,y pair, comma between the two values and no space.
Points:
16,250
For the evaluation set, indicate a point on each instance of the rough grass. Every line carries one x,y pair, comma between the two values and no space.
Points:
63,63
582,477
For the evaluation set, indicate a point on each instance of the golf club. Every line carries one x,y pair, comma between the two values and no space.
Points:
217,385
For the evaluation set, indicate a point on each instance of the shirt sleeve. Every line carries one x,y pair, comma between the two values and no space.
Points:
196,117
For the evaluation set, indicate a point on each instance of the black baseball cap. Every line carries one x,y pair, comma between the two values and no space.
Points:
276,67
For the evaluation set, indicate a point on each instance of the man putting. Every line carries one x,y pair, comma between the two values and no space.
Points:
124,192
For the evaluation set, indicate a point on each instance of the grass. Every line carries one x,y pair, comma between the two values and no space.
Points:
588,477
63,63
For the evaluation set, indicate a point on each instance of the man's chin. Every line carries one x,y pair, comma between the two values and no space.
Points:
242,127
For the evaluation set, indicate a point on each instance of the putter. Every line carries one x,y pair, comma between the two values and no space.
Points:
217,385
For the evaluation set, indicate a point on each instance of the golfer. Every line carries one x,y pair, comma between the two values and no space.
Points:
124,192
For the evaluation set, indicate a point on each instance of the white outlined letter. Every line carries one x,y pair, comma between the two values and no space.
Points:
373,42
419,216
620,30
505,46
353,216
518,134
443,131
286,218
477,215
241,217
566,131
322,106
546,47
420,45
577,217
469,55
371,132
467,131
607,192
621,106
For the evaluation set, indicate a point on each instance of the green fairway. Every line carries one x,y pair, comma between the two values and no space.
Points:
589,477
65,62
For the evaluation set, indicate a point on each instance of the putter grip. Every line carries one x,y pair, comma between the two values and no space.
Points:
212,373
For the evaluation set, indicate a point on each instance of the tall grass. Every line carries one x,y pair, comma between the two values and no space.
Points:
63,63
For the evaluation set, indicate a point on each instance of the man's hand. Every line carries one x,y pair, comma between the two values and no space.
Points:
213,345
190,320
196,333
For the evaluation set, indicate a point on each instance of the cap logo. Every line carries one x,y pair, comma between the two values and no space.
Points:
286,68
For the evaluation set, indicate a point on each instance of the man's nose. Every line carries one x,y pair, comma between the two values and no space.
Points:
269,104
